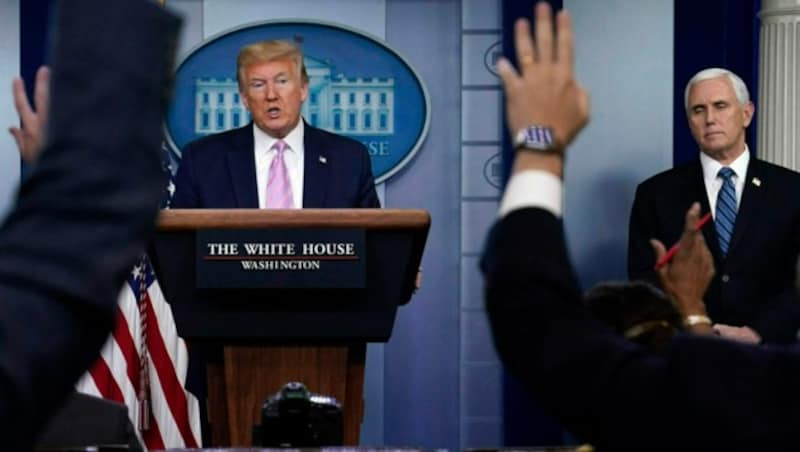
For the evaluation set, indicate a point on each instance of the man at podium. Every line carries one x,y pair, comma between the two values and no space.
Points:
277,161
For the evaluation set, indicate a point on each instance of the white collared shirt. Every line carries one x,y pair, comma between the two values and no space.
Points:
713,182
532,188
292,157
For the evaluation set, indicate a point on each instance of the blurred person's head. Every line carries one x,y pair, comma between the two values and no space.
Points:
273,84
719,110
637,311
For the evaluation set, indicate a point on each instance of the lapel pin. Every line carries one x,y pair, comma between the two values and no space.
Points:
756,182
323,160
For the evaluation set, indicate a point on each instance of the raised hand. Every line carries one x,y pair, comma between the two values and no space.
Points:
544,92
687,276
30,137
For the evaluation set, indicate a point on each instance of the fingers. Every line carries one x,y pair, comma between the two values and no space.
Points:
542,49
564,43
523,43
584,103
660,250
692,217
16,132
506,71
21,103
41,95
544,33
738,333
723,330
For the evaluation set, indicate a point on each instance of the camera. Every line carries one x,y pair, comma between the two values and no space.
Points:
296,417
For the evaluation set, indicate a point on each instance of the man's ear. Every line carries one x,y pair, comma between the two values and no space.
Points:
303,91
244,100
749,110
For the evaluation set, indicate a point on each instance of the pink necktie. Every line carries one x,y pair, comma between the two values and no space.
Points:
279,190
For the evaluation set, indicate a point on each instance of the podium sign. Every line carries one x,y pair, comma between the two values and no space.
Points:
280,258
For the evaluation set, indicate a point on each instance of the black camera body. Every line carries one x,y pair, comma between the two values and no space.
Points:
296,417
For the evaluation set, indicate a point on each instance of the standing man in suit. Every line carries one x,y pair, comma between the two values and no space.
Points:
275,161
755,237
278,160
699,393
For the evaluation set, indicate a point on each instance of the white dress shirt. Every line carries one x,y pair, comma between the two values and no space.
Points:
533,188
292,157
713,182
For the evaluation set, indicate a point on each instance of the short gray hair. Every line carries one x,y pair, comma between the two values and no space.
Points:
742,95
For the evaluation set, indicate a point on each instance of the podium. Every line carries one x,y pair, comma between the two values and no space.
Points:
267,336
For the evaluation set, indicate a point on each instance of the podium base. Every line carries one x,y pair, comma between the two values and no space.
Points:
247,375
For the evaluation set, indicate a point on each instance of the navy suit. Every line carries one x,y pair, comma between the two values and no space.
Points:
219,171
703,394
83,216
754,283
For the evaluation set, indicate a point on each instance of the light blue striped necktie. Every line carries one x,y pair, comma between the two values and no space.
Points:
726,209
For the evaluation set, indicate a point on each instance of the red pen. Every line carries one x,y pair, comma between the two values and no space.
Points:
674,249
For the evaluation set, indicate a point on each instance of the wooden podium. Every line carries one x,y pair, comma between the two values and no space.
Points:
270,336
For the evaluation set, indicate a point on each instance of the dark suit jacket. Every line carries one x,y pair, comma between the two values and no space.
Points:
219,171
84,214
704,393
754,284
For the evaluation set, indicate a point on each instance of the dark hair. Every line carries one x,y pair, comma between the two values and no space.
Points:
636,310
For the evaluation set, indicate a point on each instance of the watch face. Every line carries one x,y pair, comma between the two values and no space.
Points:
535,137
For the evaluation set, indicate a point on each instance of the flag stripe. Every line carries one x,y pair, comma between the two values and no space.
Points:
173,389
152,437
125,342
105,381
162,415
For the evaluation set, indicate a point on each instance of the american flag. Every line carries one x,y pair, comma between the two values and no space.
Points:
144,362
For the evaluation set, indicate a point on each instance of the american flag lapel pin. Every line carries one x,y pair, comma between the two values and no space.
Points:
322,159
756,181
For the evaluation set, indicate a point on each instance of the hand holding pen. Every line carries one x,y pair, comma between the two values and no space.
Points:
686,272
674,249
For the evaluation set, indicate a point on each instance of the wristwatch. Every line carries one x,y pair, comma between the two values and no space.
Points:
535,138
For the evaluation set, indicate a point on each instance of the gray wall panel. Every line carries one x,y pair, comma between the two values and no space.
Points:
624,57
422,391
9,68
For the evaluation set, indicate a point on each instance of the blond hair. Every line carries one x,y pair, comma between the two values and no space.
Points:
266,51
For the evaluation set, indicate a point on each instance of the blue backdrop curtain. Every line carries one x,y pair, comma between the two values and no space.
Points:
713,33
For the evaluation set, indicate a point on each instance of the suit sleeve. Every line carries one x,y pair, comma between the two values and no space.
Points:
546,337
780,322
641,228
84,214
609,391
367,196
185,196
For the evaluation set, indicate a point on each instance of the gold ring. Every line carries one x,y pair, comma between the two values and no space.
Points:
526,59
